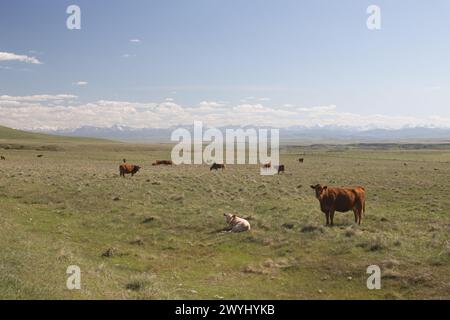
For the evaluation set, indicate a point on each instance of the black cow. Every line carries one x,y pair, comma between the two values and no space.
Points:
280,168
217,166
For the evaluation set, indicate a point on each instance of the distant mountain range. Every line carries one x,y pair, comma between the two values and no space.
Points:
290,134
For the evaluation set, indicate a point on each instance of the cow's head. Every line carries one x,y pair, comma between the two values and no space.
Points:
319,190
229,217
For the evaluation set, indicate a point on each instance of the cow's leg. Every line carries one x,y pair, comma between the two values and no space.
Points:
332,216
355,212
327,216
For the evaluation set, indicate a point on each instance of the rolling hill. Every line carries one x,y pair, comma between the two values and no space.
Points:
16,135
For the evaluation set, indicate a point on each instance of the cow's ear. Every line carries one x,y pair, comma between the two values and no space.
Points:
233,216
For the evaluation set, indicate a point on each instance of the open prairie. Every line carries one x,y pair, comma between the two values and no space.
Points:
155,235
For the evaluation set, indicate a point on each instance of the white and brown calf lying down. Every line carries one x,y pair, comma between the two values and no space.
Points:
236,224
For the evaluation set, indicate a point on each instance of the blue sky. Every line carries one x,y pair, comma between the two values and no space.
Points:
299,61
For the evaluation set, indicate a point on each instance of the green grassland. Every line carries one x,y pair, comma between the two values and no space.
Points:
155,236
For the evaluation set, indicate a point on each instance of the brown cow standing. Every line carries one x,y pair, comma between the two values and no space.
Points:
3,158
126,168
300,160
217,166
162,162
341,200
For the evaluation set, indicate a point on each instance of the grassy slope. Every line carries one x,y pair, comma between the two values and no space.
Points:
62,209
13,136
8,133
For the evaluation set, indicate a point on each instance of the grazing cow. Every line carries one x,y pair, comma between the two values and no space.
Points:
280,168
217,166
126,168
341,200
300,160
3,158
267,165
162,162
236,224
40,155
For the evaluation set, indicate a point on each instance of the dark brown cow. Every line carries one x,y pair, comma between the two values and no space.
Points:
126,168
300,160
40,155
162,162
280,168
3,158
341,200
217,166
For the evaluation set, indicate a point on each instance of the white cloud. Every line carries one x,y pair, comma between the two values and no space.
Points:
211,104
433,88
80,83
9,56
251,98
135,40
318,109
128,55
38,97
63,111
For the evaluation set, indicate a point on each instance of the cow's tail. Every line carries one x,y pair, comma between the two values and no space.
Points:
363,204
360,198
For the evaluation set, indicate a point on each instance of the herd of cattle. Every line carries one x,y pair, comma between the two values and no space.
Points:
331,199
